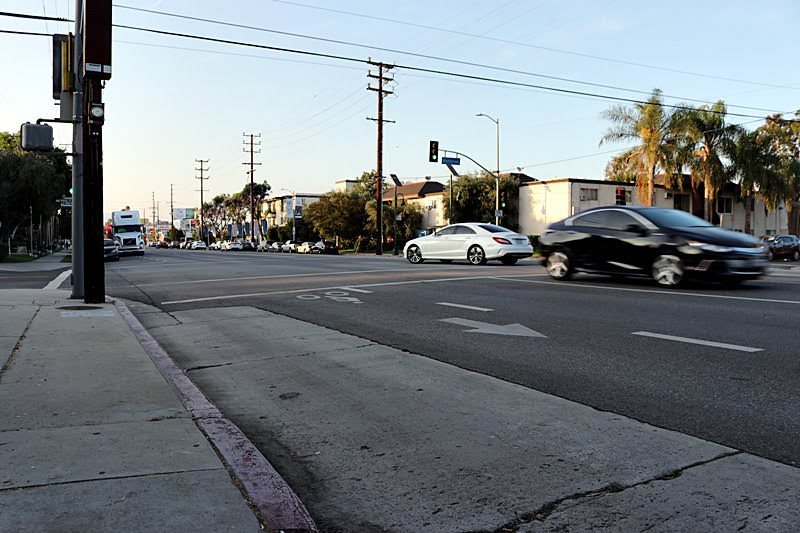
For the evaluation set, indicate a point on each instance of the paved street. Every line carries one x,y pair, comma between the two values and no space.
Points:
715,363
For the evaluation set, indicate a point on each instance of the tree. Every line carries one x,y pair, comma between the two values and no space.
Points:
658,131
338,214
754,163
28,182
714,141
623,167
785,137
474,199
260,193
365,185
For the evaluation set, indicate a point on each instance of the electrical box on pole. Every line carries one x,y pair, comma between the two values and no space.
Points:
36,137
433,155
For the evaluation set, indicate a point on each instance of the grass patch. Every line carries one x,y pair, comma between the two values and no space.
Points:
17,259
66,259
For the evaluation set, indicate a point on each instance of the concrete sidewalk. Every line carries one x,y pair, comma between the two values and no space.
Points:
92,438
48,262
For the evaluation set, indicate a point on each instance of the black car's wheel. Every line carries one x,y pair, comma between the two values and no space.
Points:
414,255
796,255
559,265
508,261
476,255
668,270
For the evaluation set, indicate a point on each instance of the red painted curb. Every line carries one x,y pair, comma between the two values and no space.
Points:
267,491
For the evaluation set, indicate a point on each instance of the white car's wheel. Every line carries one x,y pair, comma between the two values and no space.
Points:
668,270
558,265
414,255
476,255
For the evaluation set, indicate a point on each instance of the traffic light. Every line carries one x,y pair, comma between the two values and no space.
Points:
620,196
503,199
433,155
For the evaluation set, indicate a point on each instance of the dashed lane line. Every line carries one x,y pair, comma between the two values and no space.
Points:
697,341
462,306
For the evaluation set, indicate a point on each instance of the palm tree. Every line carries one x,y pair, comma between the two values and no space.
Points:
658,131
755,163
714,140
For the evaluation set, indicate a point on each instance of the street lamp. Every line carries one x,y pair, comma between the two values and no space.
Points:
294,224
397,184
497,185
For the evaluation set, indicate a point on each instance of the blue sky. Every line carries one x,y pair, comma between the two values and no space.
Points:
167,106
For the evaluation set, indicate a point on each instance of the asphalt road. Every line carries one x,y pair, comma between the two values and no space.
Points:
718,363
26,280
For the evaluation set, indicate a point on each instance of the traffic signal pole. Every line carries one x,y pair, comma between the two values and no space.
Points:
77,156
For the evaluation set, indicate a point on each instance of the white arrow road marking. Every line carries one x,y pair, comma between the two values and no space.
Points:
698,341
517,330
462,306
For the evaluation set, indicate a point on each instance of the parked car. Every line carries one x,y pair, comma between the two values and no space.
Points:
782,247
475,242
152,244
247,246
325,247
234,245
198,245
305,248
276,246
110,250
264,246
665,244
290,247
162,244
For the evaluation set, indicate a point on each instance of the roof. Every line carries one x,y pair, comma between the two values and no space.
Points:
418,189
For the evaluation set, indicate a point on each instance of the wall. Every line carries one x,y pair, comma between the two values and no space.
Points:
541,203
432,207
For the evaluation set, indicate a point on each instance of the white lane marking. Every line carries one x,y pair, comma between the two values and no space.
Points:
306,275
362,291
516,330
56,283
317,289
698,341
462,306
653,291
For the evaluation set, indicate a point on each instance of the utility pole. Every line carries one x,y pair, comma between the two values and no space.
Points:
252,170
202,169
155,220
382,67
171,209
77,156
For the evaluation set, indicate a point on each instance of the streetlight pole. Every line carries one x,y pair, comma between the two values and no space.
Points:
294,223
497,178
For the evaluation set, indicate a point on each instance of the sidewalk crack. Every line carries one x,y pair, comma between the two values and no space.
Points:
542,513
18,345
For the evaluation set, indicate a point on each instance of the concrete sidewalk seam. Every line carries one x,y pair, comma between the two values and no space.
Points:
10,361
109,478
547,509
274,502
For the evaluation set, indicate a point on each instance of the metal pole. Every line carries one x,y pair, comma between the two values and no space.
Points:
394,224
450,218
77,157
30,233
497,185
294,219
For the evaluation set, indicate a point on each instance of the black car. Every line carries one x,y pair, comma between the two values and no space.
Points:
325,247
782,246
665,244
110,250
248,246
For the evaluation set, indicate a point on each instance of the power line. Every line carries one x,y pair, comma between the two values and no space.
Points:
419,69
420,55
534,46
27,33
32,17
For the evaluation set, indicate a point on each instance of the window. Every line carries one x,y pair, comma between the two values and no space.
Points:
593,219
449,230
588,195
464,230
628,196
491,228
620,221
724,205
682,202
673,219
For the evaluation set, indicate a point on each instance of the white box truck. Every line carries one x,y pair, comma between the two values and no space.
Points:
126,229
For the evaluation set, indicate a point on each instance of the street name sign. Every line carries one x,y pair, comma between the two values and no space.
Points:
451,160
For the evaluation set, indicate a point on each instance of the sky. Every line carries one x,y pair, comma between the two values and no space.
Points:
173,100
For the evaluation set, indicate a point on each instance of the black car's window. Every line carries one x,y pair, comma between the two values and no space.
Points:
491,228
449,230
592,219
464,230
672,218
620,220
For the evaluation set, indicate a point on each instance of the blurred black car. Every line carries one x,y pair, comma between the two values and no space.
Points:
782,247
665,244
110,250
325,247
248,246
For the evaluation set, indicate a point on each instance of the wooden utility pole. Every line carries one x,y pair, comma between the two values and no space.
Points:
252,197
171,209
382,68
202,169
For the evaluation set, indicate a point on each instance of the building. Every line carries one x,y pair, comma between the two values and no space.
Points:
344,185
428,196
543,202
277,210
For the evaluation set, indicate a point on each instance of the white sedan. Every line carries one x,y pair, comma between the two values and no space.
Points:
475,242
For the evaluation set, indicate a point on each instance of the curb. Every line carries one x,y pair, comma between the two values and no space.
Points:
276,504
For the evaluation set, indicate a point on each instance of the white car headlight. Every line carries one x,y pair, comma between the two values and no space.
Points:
710,247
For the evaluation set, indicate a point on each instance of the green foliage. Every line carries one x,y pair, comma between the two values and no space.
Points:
338,214
411,221
623,168
174,234
474,199
27,180
365,185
